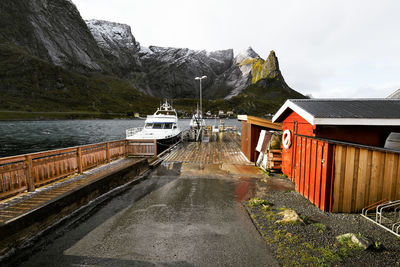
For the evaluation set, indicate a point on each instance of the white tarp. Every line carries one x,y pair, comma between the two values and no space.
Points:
261,140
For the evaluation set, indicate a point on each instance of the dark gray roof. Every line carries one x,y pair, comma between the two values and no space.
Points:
351,108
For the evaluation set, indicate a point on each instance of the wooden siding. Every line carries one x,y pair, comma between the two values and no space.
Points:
340,177
264,123
250,136
364,176
27,172
296,125
251,128
312,170
245,139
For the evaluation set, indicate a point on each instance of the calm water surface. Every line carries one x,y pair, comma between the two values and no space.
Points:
21,137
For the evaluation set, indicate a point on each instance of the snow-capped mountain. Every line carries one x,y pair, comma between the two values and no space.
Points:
170,72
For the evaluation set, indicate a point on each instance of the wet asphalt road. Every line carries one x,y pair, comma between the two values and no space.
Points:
166,220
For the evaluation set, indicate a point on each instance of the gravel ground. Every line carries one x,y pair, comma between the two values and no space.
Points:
314,242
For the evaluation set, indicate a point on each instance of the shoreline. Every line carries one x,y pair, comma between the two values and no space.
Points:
57,115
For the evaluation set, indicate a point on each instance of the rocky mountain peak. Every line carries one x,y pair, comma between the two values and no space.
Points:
246,54
117,44
170,71
395,94
112,36
265,69
272,62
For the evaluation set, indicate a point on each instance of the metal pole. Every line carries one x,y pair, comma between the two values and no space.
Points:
201,107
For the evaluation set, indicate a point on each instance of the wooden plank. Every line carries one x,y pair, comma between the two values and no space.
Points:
302,165
363,176
28,174
368,179
375,176
348,179
79,160
330,175
355,180
397,187
323,203
307,169
108,152
381,177
298,164
338,178
318,174
392,191
388,176
312,170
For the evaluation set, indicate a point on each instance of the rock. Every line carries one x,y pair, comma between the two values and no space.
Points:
359,240
51,30
117,44
171,71
289,216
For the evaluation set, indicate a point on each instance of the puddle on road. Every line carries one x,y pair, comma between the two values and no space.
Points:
245,189
249,181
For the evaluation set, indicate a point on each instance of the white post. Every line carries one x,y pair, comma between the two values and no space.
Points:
201,106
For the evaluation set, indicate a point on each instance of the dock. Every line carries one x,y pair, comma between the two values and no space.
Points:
27,213
220,148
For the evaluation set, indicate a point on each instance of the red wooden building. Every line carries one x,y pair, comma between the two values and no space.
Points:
251,129
334,150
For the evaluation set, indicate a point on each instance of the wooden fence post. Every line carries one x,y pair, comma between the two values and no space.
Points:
108,152
28,173
126,148
79,160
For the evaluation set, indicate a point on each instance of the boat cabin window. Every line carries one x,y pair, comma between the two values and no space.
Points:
157,126
168,126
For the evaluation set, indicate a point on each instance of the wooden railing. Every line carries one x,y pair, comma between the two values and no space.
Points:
141,147
27,172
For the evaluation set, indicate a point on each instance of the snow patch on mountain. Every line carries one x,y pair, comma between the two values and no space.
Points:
112,36
246,54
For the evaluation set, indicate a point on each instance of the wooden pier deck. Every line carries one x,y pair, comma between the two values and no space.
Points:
222,148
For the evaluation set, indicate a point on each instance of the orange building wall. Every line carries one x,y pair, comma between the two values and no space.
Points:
296,125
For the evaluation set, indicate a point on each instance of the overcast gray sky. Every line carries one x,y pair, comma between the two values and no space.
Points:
329,48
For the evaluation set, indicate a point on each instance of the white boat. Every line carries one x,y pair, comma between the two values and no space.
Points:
161,126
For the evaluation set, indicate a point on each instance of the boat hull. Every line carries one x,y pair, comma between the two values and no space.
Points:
165,143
